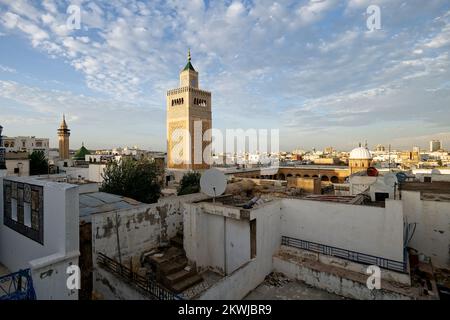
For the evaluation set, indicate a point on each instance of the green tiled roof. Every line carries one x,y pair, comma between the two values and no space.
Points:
189,66
80,154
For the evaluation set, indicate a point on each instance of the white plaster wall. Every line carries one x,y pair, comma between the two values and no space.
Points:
205,236
432,236
238,243
243,280
95,172
370,230
138,228
61,244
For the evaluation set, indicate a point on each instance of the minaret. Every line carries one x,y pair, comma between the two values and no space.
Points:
63,137
188,118
2,155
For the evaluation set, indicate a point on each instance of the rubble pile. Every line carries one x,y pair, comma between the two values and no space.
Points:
276,279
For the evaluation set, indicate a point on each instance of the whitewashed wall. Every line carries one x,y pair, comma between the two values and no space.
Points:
432,236
370,230
243,280
61,241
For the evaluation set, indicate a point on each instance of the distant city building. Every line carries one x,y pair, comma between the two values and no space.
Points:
17,164
2,154
26,144
63,137
187,107
380,148
435,145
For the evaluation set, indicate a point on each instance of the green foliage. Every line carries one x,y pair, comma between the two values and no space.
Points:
38,163
190,183
136,179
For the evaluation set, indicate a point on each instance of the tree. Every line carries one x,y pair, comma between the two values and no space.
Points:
190,183
136,179
38,163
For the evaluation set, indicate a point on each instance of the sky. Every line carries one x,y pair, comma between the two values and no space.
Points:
310,68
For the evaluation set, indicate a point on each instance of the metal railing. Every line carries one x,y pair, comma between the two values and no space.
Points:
346,254
154,289
17,286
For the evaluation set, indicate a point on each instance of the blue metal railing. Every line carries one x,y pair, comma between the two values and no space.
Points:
346,254
17,286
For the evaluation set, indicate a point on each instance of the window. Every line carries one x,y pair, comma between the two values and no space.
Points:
16,170
24,209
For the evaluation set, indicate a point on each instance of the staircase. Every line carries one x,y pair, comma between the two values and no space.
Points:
172,268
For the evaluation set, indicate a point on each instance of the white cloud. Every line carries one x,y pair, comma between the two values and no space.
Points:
7,69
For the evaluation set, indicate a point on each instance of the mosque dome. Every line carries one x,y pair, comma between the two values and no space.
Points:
360,153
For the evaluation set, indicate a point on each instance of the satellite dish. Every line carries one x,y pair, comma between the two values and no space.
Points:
213,182
401,177
372,172
390,179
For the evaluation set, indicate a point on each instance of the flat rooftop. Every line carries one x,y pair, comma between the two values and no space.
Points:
99,202
427,187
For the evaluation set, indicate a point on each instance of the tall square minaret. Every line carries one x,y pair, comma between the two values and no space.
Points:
188,119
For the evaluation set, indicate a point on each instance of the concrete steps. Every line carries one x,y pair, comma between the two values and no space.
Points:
187,283
171,267
177,241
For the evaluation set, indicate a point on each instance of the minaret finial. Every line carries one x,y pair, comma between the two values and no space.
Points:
189,54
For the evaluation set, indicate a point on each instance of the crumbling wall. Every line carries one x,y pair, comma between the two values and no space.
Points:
334,283
134,232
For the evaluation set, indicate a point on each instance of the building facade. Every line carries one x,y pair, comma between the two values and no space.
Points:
2,155
26,144
435,145
188,120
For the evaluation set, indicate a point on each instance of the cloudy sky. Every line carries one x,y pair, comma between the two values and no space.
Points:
310,68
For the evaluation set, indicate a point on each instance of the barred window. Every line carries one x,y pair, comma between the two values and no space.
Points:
24,209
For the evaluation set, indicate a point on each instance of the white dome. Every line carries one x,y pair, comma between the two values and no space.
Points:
360,153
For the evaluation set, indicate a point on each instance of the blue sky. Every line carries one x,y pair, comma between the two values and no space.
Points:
310,68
